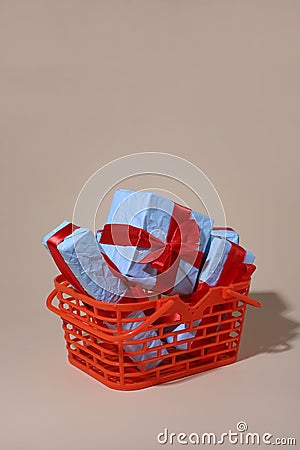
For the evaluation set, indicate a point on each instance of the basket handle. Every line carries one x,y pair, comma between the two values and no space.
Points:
105,336
196,311
243,298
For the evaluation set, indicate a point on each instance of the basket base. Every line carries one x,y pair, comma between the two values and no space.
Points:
133,386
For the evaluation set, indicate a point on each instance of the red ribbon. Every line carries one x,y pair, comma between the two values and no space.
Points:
244,272
235,259
52,243
182,241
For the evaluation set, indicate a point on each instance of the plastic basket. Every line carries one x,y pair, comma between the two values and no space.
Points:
97,343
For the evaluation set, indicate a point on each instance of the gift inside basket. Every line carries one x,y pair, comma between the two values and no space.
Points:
156,295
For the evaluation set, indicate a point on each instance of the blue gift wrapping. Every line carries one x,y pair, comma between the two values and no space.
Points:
152,212
216,259
227,233
81,254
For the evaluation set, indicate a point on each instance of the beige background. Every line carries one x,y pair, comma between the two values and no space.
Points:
216,82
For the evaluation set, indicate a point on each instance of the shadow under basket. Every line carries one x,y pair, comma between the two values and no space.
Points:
138,343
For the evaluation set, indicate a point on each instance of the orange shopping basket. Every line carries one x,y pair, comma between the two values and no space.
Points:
98,344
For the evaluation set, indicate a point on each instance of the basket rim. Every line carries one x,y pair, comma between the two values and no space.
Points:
64,287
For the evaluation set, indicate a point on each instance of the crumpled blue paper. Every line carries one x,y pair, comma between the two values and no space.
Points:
82,255
151,212
227,233
216,258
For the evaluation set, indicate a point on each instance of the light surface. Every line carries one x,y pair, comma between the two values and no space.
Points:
81,83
